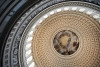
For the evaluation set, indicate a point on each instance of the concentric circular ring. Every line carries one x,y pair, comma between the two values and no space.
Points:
85,21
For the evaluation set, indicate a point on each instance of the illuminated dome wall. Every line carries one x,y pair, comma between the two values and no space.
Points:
64,35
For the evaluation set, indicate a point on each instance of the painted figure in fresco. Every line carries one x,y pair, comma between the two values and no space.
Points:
66,42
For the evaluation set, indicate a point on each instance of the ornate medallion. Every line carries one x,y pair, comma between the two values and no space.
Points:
70,33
